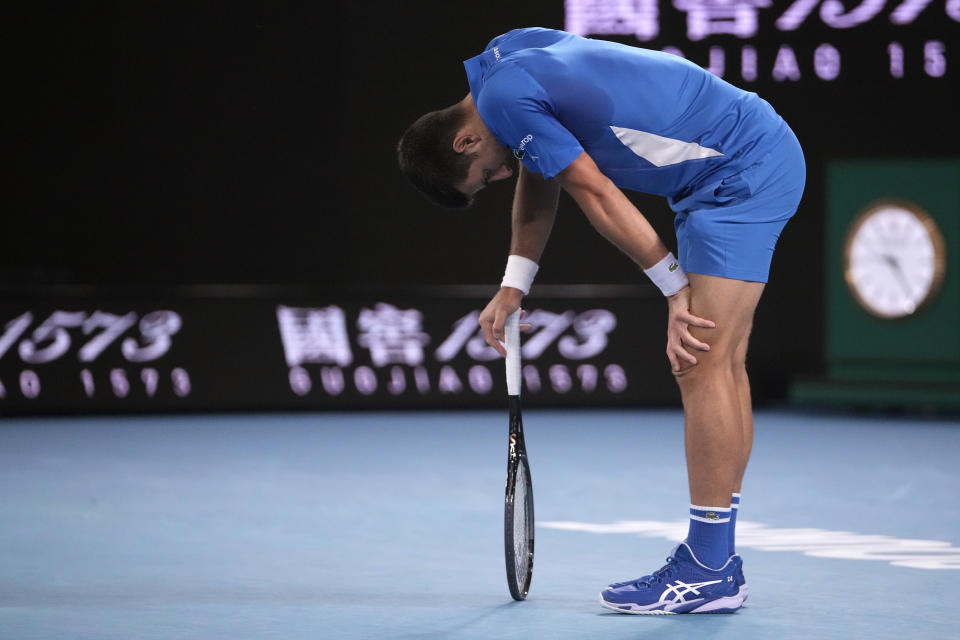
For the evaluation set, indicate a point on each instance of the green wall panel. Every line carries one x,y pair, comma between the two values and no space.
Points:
926,344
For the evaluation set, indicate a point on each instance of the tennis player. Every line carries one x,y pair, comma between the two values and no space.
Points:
593,117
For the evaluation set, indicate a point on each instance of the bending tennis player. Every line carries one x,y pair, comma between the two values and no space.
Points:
592,118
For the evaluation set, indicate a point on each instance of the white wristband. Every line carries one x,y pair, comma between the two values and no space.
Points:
520,273
668,275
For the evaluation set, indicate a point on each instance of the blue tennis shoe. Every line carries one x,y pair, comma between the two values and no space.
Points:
683,585
743,589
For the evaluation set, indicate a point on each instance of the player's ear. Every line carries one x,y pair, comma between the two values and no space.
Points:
465,141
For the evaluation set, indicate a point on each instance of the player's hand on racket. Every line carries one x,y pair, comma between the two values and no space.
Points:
679,339
494,317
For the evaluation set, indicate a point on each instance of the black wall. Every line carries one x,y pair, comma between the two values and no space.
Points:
153,143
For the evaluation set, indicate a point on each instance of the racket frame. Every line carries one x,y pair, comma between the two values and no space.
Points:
517,462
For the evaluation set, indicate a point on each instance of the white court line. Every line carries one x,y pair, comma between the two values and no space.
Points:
820,543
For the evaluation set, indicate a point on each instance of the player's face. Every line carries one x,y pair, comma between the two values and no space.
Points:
493,162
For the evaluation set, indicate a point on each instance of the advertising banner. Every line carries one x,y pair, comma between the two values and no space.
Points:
266,352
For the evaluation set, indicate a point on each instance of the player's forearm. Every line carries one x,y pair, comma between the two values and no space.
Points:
534,211
611,213
616,218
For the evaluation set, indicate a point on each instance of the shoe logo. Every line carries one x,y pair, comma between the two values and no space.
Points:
673,267
712,515
680,589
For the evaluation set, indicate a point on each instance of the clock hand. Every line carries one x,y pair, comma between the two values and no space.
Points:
894,264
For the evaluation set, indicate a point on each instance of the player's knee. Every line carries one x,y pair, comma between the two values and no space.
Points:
739,358
739,361
691,374
740,352
689,378
684,369
739,365
710,365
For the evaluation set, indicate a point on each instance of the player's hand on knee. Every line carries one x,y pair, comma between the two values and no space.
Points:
494,316
680,342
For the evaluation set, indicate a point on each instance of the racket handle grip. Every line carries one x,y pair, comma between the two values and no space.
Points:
512,339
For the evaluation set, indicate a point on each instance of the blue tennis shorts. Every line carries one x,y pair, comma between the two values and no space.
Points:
729,226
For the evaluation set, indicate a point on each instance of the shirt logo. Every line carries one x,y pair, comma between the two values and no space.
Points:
496,53
673,267
520,151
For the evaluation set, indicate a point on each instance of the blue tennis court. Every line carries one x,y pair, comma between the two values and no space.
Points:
388,525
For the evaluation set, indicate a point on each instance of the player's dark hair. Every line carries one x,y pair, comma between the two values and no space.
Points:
426,157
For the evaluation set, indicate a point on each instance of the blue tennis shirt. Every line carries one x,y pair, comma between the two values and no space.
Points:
652,121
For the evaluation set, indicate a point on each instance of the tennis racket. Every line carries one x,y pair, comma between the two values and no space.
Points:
518,507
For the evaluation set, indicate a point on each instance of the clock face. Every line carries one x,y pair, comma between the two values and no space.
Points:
895,259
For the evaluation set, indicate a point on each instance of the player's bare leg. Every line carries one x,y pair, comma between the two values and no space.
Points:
718,428
746,408
715,392
746,419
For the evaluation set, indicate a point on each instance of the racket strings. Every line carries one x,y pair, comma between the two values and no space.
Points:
521,536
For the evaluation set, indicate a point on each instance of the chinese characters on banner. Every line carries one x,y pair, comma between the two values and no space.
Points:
751,20
390,351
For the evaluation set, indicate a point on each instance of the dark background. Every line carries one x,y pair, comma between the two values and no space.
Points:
153,144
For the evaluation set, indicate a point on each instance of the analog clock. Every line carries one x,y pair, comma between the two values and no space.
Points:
894,259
